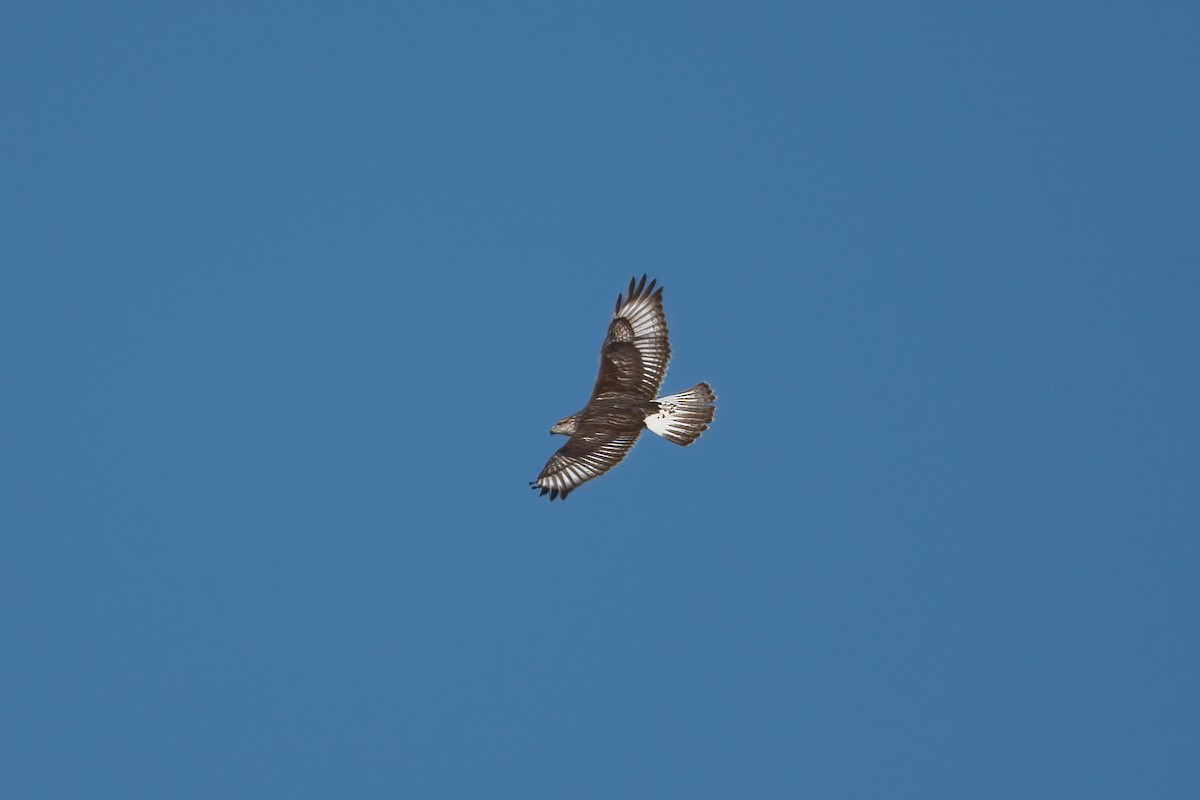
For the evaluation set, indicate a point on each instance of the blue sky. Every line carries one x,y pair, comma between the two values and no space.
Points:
293,293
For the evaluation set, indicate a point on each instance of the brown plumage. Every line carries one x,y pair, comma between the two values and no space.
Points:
633,361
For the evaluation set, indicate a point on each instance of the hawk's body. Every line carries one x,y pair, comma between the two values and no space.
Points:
633,361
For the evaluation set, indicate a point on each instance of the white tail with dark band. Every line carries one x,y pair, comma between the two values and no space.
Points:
682,417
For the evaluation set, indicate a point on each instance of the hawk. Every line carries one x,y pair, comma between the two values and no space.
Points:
633,362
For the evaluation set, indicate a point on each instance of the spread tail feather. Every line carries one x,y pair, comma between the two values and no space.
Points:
681,418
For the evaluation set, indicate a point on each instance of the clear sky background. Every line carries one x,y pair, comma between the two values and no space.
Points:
292,294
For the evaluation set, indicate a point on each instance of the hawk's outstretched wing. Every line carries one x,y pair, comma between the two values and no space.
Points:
582,458
634,357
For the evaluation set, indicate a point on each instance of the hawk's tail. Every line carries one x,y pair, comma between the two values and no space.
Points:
682,417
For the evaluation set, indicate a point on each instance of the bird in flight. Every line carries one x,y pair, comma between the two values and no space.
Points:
633,361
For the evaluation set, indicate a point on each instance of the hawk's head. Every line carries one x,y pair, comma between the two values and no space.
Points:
566,426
